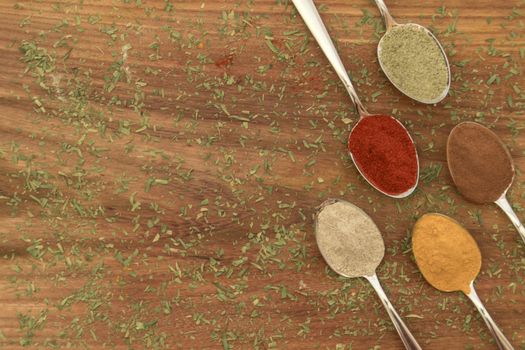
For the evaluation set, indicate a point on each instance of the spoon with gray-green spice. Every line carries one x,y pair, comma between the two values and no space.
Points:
352,245
413,60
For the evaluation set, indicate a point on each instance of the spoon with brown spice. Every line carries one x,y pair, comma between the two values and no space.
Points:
482,167
388,161
352,245
413,59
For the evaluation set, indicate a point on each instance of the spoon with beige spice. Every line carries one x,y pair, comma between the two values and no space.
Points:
482,167
352,246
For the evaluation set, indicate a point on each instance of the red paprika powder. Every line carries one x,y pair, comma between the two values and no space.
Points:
384,153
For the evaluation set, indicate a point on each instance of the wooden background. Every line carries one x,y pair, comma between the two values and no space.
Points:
160,162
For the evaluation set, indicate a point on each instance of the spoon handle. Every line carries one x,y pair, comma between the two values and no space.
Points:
404,333
389,20
499,337
504,204
311,17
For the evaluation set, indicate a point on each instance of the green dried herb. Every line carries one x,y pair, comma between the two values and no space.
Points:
413,61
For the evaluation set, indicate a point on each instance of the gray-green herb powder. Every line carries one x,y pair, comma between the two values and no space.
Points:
348,239
413,61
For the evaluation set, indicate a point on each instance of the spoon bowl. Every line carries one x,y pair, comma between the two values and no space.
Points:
390,25
343,229
410,147
446,89
438,260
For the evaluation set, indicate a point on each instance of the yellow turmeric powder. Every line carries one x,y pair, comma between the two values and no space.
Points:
446,254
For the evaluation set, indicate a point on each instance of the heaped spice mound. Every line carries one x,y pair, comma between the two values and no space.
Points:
446,254
348,239
479,163
385,154
413,61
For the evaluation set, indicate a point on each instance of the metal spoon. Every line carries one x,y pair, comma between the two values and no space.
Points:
504,204
328,242
498,335
389,24
311,17
454,168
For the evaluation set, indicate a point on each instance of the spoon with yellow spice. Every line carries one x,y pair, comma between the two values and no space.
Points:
450,260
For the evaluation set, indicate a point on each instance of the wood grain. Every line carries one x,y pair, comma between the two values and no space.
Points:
158,181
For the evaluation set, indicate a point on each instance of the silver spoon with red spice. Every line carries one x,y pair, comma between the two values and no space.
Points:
380,146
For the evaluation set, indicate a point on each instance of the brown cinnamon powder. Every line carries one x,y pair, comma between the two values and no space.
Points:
480,164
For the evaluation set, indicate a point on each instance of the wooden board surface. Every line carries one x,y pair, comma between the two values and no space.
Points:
160,162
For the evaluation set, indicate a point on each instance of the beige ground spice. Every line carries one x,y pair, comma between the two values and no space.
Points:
348,239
